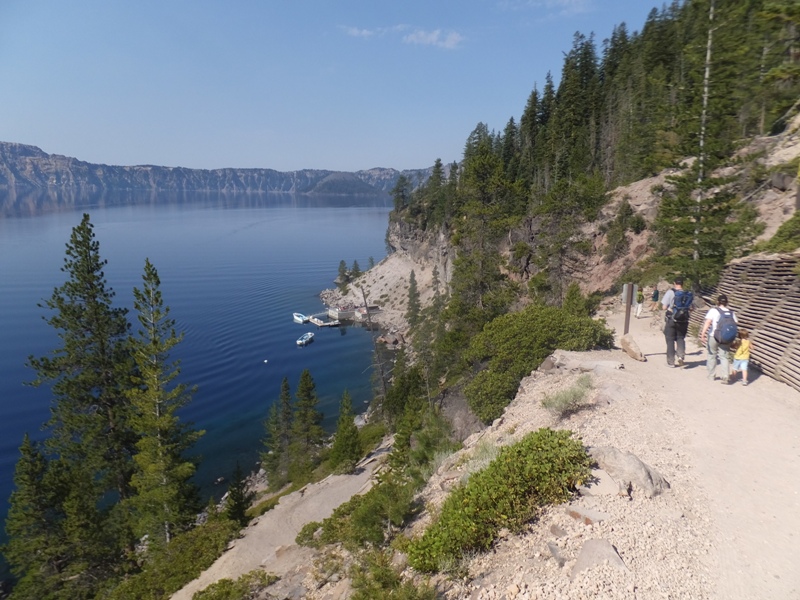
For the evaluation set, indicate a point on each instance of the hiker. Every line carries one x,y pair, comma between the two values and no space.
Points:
677,303
741,358
656,305
639,301
719,332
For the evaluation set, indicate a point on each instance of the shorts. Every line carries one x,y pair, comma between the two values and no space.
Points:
740,364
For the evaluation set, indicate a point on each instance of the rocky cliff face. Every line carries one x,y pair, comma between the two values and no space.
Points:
25,167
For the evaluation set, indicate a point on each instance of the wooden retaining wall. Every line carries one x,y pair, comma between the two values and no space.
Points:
764,291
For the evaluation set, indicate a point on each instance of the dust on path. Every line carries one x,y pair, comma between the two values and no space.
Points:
745,442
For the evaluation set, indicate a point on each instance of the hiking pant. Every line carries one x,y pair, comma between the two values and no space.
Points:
717,351
675,334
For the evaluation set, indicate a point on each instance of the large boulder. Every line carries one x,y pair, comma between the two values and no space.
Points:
629,471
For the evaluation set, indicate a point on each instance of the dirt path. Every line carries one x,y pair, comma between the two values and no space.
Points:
745,442
266,541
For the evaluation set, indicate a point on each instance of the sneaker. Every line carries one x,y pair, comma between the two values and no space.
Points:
744,383
712,377
725,381
680,362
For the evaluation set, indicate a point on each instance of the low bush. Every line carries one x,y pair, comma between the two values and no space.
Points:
364,519
542,468
514,344
375,577
565,402
246,586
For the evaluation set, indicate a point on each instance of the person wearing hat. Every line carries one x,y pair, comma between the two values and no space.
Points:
675,328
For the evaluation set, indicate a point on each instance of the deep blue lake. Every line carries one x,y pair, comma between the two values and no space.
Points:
232,269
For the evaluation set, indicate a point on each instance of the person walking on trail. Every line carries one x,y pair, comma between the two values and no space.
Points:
716,335
677,303
656,305
741,358
639,301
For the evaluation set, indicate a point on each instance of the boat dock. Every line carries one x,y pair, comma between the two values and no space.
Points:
315,319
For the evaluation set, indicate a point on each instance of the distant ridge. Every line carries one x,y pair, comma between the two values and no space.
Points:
28,168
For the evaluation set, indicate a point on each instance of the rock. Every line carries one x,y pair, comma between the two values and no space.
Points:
631,348
627,470
585,515
554,551
609,392
601,484
596,552
557,531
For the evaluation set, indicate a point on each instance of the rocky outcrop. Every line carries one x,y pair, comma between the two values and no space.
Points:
24,167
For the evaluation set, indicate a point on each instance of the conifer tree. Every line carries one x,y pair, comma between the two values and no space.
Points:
355,270
346,450
279,432
413,309
90,373
239,498
307,432
91,442
166,501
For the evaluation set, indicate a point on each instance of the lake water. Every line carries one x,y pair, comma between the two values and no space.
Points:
232,269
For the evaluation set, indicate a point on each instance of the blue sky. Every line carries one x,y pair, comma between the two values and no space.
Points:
286,85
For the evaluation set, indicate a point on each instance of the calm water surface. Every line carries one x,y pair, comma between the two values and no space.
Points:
232,274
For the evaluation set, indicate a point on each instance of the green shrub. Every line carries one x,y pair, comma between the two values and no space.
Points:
543,468
364,519
490,392
514,344
371,435
178,563
786,239
570,400
374,577
246,586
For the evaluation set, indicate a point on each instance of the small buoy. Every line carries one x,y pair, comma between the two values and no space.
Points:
265,360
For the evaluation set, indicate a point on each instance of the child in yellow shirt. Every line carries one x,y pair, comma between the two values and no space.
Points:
742,356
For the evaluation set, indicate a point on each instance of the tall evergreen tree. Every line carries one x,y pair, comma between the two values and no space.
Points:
279,434
90,373
239,498
307,432
166,501
346,450
91,441
413,307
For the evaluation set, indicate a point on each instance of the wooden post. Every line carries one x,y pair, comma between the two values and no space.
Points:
628,302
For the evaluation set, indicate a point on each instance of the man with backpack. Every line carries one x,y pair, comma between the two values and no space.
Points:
719,332
677,303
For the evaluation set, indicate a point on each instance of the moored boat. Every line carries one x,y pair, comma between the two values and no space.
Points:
299,318
305,339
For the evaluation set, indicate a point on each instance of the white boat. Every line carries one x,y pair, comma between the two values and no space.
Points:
299,318
305,339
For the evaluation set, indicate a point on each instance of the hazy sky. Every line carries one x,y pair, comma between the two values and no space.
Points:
280,84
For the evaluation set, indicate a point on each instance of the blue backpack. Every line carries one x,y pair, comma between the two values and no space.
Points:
726,330
681,306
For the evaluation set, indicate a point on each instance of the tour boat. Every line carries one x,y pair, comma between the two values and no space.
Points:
306,338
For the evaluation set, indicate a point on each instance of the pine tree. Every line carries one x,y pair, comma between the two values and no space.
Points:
346,450
355,270
90,373
307,432
166,501
239,498
413,310
91,442
279,432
